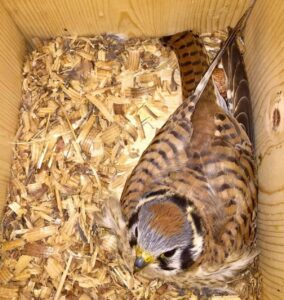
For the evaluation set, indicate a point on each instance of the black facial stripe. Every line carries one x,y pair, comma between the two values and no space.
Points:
164,265
186,258
197,222
133,242
133,219
179,201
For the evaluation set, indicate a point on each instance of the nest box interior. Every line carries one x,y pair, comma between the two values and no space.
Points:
264,58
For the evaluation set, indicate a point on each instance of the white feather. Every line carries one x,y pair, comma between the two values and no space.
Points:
214,277
112,219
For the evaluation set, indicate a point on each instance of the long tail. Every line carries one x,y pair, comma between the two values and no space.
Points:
192,58
193,62
238,88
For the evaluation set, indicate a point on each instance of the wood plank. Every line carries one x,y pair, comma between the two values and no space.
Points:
135,18
12,49
265,65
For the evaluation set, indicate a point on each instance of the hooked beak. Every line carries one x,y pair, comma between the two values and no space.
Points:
143,258
139,264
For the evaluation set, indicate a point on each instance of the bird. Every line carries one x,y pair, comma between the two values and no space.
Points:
190,202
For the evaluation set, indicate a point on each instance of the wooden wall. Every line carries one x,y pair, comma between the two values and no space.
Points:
12,49
265,64
134,17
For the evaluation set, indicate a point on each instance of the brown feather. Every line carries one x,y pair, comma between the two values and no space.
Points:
237,84
202,154
162,212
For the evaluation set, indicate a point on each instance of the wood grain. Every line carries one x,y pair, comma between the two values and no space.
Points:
46,18
12,49
265,65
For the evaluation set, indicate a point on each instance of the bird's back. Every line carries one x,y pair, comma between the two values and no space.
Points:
204,154
168,149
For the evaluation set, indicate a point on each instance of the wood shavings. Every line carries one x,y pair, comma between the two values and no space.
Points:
63,278
101,107
133,60
9,292
37,234
90,107
5,275
83,126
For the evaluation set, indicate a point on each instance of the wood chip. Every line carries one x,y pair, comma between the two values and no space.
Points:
53,268
101,107
90,107
22,263
111,134
133,60
37,234
9,292
63,277
5,275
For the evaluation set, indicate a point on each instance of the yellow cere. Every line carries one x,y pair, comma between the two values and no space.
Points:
148,257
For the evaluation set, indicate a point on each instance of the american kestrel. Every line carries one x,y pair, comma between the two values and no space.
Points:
190,203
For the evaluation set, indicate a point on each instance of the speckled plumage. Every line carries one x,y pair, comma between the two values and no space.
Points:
198,168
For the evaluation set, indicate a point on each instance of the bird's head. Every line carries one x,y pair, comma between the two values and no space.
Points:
166,233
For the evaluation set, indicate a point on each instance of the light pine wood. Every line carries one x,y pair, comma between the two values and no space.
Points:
12,49
264,57
140,17
265,65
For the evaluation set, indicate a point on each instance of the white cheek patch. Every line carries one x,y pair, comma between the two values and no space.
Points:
197,239
175,261
155,268
198,246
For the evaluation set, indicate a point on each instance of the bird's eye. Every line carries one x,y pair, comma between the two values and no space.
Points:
136,232
169,253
